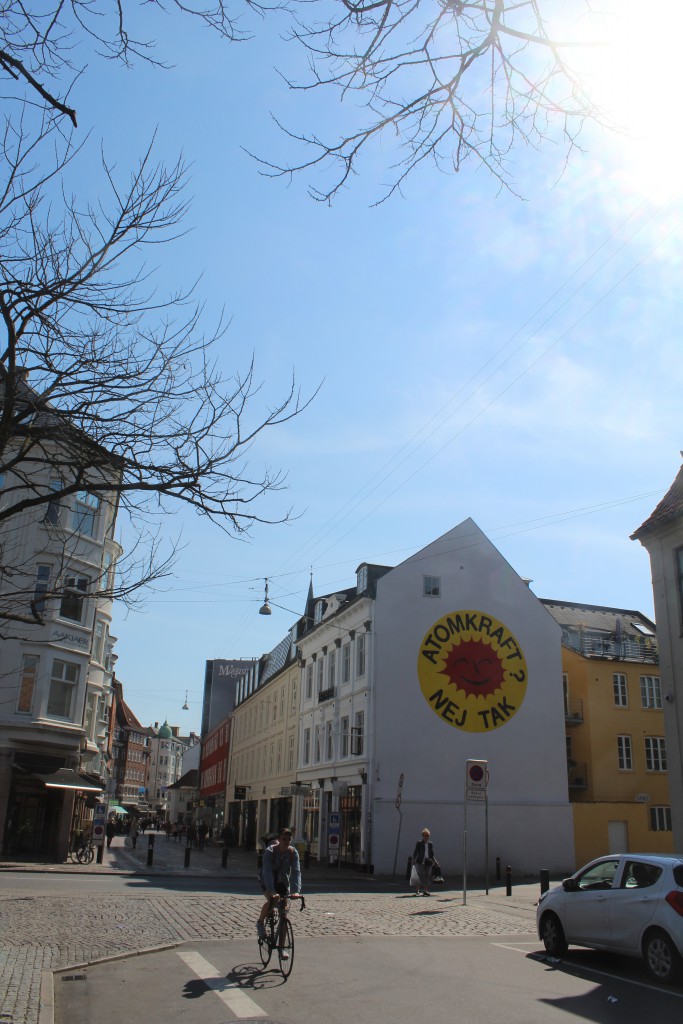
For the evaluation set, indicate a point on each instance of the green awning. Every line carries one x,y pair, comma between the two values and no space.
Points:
115,809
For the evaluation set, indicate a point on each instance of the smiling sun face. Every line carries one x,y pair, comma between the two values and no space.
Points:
474,667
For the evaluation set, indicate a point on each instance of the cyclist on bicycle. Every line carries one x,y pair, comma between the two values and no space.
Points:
280,875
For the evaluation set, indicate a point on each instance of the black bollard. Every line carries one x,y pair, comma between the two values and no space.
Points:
508,881
100,853
150,854
545,880
224,857
498,869
150,839
188,851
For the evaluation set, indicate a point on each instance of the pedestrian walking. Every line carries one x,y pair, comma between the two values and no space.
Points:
423,862
134,832
191,834
202,832
110,830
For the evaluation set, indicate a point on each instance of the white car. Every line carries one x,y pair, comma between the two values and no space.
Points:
628,903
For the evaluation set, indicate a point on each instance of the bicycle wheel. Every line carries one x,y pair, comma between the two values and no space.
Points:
265,945
286,946
88,854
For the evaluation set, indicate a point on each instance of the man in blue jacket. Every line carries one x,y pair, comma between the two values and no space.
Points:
280,875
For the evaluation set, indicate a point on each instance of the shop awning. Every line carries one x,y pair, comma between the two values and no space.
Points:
115,809
69,778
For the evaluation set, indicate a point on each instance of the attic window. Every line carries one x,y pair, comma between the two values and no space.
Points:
318,613
643,630
431,586
362,579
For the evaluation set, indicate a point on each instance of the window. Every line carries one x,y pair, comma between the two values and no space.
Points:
660,819
98,642
290,755
357,735
620,691
307,746
362,579
431,586
317,744
655,754
321,668
309,681
360,656
41,587
318,611
72,598
54,505
293,704
29,671
625,753
679,572
346,663
345,736
328,741
650,692
331,670
107,578
84,515
568,750
63,682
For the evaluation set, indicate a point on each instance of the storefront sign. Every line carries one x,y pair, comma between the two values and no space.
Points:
472,671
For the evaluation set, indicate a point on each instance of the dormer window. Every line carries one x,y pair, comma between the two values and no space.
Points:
318,611
362,579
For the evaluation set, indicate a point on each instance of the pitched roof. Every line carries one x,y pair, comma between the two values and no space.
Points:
596,616
669,508
190,780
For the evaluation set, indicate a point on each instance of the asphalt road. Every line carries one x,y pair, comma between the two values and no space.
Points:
383,980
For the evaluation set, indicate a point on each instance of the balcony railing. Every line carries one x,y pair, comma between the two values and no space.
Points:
326,694
578,777
612,649
573,711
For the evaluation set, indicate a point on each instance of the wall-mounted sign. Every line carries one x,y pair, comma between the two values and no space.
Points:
472,671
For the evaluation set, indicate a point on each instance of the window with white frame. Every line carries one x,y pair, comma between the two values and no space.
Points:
107,578
293,701
331,668
98,642
650,692
63,683
362,579
309,681
321,676
360,655
346,663
318,611
345,736
54,505
619,689
328,741
90,711
290,755
624,753
73,598
317,745
431,586
27,684
307,746
84,513
357,735
278,761
655,754
41,587
660,819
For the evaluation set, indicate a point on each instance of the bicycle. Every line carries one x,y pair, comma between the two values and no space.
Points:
83,849
279,934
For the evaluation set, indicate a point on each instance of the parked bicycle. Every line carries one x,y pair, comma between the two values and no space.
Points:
279,934
83,849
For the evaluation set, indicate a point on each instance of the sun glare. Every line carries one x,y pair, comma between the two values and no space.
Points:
634,78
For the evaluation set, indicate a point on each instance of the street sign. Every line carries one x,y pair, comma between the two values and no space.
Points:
335,821
333,840
398,794
476,775
99,818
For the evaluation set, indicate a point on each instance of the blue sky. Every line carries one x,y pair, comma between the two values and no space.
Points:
516,361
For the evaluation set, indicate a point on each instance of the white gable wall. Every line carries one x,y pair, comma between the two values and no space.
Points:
530,818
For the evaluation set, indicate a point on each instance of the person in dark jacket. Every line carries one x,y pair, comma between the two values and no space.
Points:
423,862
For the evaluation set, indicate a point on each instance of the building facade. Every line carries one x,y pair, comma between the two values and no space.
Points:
614,718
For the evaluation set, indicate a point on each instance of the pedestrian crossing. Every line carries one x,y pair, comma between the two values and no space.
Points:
231,994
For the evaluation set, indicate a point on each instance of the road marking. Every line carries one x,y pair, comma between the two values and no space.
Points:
231,994
559,961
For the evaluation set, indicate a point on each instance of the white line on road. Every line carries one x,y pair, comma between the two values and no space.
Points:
231,994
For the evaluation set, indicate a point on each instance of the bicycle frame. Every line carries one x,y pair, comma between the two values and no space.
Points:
279,935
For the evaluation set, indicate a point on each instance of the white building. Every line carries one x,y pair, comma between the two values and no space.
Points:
447,657
165,765
58,561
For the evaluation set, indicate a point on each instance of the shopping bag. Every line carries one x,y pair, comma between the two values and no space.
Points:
414,877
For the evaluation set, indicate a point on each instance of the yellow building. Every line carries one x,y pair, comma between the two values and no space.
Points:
616,752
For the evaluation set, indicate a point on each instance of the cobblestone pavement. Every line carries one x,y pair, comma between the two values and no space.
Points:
51,932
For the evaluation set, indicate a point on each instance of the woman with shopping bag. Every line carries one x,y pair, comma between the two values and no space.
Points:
423,862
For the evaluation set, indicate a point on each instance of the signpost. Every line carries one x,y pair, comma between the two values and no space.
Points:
400,815
333,825
98,829
476,791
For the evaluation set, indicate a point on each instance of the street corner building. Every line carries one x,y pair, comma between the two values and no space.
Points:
467,665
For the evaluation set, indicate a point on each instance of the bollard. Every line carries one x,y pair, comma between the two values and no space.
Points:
150,839
150,855
498,869
508,881
224,857
100,853
188,851
545,880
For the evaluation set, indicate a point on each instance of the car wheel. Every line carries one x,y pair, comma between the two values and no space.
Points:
661,957
552,934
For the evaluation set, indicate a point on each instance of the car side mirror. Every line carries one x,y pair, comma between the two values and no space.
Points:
569,884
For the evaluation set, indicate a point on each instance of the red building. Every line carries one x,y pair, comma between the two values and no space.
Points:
213,772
